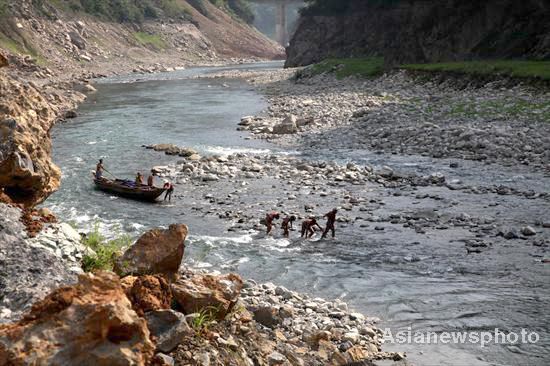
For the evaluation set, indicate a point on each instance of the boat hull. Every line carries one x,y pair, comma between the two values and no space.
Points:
117,187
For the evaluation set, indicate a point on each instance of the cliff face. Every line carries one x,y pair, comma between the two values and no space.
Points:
417,31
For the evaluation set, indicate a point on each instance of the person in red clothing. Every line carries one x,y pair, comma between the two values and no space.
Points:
169,189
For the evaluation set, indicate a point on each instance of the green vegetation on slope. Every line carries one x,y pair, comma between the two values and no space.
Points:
3,8
150,39
116,10
363,67
11,45
373,66
240,8
517,68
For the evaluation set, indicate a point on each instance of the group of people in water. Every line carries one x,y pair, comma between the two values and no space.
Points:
139,180
308,225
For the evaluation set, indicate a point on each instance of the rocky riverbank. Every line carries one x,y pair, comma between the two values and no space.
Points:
399,114
179,316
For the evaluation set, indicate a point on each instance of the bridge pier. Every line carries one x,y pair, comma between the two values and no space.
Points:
280,25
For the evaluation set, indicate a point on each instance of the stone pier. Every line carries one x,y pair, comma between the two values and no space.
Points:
280,17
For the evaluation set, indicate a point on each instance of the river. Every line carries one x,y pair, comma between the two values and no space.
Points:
403,279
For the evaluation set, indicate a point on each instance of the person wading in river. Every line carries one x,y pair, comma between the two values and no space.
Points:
99,169
331,218
268,221
169,190
286,224
308,227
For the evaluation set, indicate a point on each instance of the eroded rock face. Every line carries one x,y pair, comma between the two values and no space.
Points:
218,293
91,323
27,173
156,251
150,293
27,273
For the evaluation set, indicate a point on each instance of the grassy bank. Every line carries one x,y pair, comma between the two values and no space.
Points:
514,68
151,39
344,67
374,66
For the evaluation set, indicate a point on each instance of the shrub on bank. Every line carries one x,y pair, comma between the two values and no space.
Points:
105,250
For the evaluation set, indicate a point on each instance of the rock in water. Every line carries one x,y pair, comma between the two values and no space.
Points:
156,251
528,231
91,323
204,292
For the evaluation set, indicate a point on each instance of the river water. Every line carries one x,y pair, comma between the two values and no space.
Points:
405,280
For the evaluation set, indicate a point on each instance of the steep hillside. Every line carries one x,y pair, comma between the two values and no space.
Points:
415,31
61,37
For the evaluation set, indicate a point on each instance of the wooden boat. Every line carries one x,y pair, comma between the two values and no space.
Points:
128,189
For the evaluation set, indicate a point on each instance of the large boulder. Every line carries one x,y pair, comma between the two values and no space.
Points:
288,126
168,327
157,251
169,149
208,292
77,40
91,323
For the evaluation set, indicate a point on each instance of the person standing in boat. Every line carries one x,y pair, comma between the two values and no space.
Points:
139,179
169,189
150,178
99,169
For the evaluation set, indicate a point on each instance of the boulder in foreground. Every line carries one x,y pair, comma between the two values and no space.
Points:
156,251
91,323
204,292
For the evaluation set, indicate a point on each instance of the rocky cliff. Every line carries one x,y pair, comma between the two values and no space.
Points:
418,31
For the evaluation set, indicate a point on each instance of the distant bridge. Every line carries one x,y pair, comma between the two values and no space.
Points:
280,21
